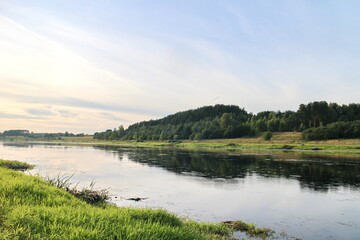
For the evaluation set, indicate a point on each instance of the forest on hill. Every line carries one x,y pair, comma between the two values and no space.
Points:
317,120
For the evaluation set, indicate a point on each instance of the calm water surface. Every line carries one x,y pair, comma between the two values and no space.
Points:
309,196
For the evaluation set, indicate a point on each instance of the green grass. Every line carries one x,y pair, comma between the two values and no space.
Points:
31,208
15,165
244,147
251,230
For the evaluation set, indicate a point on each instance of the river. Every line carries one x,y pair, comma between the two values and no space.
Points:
310,196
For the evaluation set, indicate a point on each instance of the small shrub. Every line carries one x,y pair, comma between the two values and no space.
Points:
267,136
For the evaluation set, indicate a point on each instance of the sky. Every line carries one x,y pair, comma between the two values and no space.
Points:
86,66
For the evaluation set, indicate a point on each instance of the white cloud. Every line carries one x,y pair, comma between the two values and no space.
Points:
104,77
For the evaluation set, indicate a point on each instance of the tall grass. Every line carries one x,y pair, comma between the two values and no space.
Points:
88,194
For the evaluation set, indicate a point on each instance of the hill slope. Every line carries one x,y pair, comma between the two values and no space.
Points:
230,121
206,122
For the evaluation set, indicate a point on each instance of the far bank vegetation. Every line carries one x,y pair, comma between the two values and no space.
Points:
317,121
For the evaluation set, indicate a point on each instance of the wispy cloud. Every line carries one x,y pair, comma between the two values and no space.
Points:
40,112
18,116
112,116
113,66
72,102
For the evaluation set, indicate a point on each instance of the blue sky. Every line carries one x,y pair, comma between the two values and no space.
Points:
85,66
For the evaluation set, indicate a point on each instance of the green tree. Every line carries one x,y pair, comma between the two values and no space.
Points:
267,136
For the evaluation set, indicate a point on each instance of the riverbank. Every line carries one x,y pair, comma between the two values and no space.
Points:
290,141
32,208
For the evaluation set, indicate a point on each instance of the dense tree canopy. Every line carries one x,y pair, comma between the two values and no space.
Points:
333,131
230,121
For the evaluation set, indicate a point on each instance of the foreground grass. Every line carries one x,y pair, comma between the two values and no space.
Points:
31,208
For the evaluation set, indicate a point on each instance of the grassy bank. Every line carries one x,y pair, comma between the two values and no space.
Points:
279,142
32,208
288,141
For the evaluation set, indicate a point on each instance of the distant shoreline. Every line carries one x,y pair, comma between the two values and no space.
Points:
280,142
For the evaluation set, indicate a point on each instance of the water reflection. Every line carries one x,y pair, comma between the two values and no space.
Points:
313,171
48,145
15,144
319,173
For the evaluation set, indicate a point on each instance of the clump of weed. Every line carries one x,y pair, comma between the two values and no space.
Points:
250,229
60,182
89,194
215,229
16,165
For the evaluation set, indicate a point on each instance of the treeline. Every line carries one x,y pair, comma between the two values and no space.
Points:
59,135
230,121
16,133
27,133
333,131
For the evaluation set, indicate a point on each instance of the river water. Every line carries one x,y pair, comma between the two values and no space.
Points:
308,196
